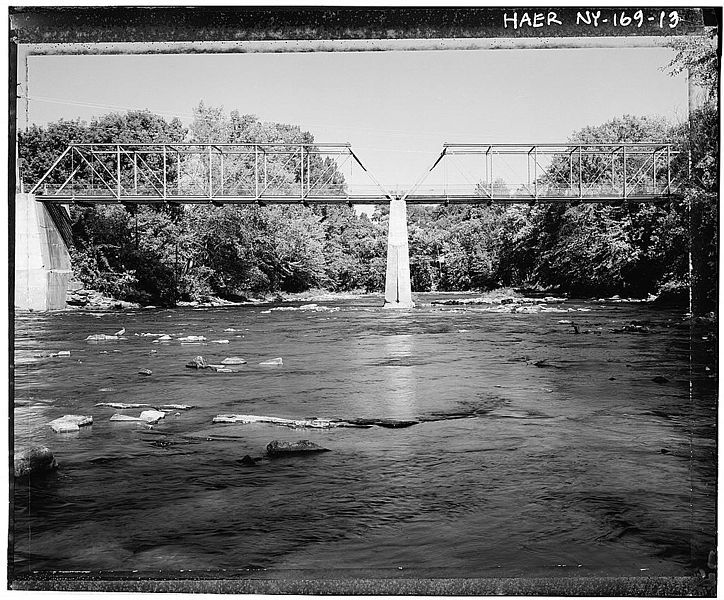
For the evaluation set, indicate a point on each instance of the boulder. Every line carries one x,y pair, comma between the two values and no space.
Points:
37,459
152,416
233,360
272,362
146,416
283,448
192,338
68,423
198,363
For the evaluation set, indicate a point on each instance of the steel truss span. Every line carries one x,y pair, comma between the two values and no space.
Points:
288,173
549,173
218,174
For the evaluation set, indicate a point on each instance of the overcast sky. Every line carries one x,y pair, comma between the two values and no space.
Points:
395,108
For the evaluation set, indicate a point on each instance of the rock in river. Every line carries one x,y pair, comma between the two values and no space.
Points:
272,362
282,448
197,363
37,459
68,423
233,360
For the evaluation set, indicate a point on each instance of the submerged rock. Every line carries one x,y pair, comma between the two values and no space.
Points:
283,448
37,459
121,404
198,362
272,362
295,423
68,423
248,461
219,341
660,379
145,372
389,423
102,337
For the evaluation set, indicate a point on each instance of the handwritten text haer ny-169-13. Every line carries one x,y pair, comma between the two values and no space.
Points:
594,18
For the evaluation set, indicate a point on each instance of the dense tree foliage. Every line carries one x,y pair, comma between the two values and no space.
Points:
163,255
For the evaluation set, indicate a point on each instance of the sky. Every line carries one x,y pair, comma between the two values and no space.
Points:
395,108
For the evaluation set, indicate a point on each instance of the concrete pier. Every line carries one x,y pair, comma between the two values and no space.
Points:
42,260
398,292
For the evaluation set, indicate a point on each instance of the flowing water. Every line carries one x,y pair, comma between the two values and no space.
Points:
538,451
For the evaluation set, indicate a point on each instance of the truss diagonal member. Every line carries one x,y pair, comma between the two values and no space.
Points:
370,175
638,173
199,185
422,178
113,191
140,157
62,187
55,164
331,172
274,178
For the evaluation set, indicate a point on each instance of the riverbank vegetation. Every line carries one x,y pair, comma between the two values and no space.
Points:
162,255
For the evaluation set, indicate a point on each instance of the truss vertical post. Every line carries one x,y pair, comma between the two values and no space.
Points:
570,171
265,170
309,187
624,172
165,160
221,187
256,171
492,189
668,169
613,169
118,171
580,172
135,173
653,171
528,165
211,190
535,170
301,171
178,172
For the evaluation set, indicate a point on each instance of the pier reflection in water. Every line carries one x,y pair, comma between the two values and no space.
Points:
538,451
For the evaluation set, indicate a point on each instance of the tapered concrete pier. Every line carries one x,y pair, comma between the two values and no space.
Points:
42,260
398,292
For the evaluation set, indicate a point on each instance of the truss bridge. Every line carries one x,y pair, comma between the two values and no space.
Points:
303,173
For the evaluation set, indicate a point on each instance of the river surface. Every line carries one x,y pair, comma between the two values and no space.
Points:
538,451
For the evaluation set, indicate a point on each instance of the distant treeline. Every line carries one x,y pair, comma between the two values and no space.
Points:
161,255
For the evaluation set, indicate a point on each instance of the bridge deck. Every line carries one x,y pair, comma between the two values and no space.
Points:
353,200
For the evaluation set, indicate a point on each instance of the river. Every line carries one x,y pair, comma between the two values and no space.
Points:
538,451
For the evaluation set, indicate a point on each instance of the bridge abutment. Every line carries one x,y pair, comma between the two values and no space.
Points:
398,291
42,260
